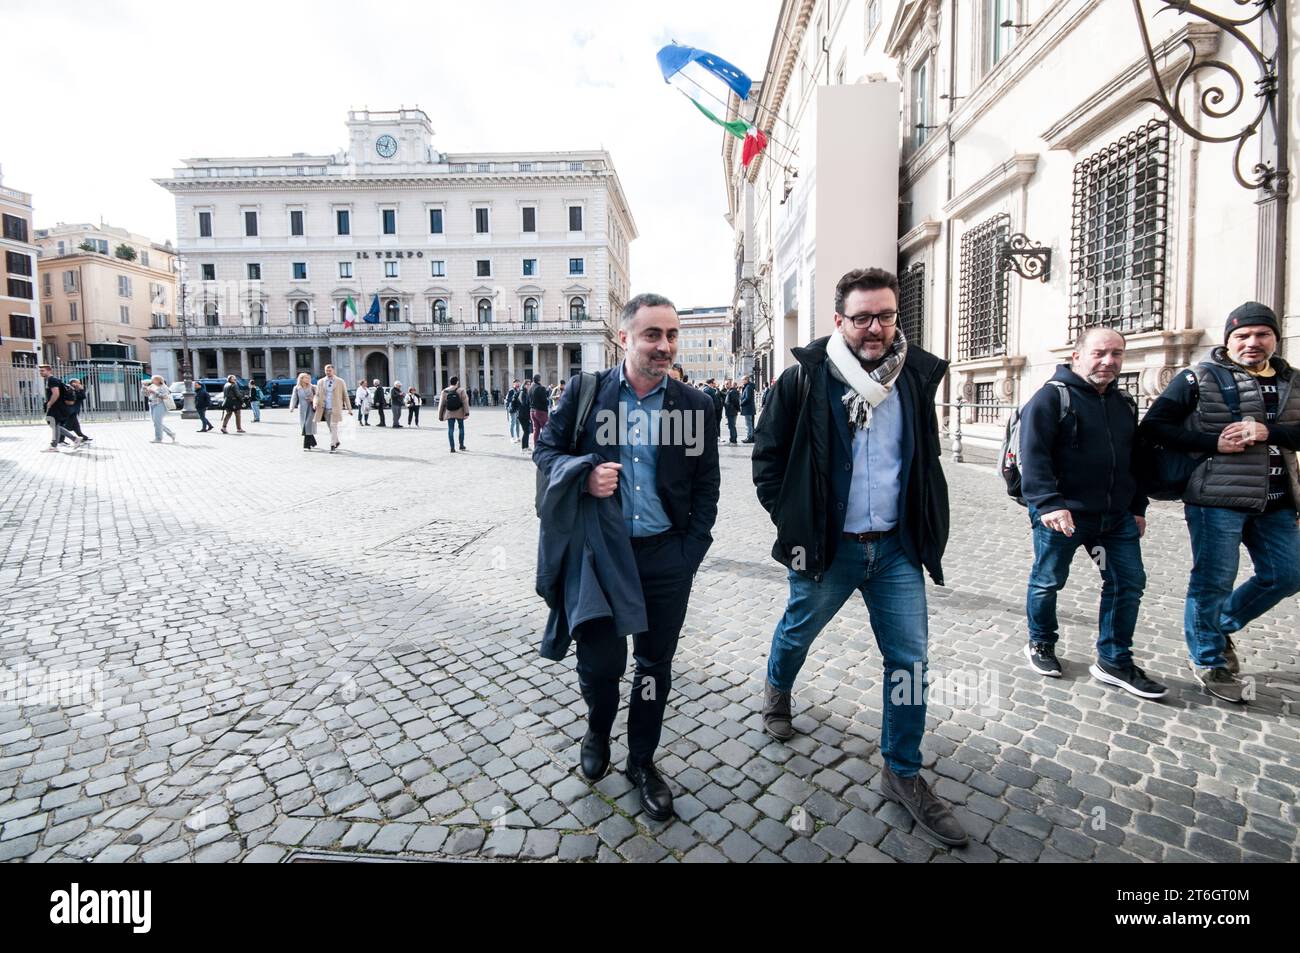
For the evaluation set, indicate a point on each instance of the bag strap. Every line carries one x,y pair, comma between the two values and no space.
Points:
586,398
1227,387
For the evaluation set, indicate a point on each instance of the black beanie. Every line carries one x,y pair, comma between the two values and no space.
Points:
1248,314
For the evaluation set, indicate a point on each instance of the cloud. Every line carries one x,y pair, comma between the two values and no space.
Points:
245,78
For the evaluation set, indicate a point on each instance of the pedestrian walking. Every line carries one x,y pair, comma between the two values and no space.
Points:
731,404
846,462
1236,418
413,403
159,397
525,413
539,405
396,400
377,395
363,404
56,410
1078,476
232,399
627,535
512,408
78,394
331,400
453,407
304,399
202,401
747,408
255,401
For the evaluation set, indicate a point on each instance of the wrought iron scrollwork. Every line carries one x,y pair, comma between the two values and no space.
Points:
1026,259
1216,101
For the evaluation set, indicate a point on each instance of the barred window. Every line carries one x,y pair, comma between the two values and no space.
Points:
985,413
1132,382
911,303
1118,234
982,308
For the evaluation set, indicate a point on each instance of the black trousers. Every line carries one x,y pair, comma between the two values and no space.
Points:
602,655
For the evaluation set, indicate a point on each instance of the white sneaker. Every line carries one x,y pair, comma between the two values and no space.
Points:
78,443
174,440
50,450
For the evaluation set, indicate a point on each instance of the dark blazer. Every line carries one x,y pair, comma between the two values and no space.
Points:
747,399
687,484
202,399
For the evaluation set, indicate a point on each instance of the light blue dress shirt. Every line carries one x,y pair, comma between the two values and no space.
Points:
877,470
639,454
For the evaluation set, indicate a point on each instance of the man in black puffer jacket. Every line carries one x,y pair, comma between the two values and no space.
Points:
1077,469
846,461
1245,490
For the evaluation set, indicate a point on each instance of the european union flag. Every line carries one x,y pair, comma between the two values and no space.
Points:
372,316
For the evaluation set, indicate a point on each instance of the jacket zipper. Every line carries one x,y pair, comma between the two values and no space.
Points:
1110,440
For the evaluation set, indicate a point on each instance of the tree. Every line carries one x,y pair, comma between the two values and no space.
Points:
125,252
86,246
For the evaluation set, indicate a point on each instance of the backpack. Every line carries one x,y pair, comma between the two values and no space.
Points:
452,399
586,397
1163,472
1009,457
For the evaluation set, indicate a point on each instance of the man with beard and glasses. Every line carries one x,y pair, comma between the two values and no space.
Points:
1238,411
846,461
1078,475
630,494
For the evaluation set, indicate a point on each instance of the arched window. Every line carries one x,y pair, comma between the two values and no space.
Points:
211,315
440,310
392,310
484,311
530,309
577,310
257,314
343,311
301,313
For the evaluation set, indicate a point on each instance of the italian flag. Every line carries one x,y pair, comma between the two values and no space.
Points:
350,316
755,141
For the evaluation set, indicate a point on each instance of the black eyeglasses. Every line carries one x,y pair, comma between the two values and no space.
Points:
887,319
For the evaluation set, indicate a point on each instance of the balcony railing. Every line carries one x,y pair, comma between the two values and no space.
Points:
391,328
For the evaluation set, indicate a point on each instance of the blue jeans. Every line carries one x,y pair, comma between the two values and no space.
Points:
1113,544
513,417
1214,609
749,426
257,410
159,413
894,591
451,431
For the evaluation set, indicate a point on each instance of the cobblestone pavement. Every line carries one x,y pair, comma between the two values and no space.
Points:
350,664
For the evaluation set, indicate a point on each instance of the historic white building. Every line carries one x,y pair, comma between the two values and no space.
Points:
1025,133
485,266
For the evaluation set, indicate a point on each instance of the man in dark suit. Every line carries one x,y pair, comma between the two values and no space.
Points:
659,440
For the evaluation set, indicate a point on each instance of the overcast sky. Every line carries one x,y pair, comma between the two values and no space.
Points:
106,96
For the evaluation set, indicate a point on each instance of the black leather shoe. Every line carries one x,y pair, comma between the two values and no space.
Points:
595,756
656,799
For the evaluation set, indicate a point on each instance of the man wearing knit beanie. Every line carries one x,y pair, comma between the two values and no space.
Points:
1244,408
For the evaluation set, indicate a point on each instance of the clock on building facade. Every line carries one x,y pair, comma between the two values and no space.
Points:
386,146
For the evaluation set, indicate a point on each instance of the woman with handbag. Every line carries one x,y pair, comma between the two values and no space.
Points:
304,398
413,403
363,404
159,396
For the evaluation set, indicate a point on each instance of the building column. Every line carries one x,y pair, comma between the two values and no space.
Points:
487,368
537,364
221,362
510,366
243,363
392,363
437,368
315,362
460,368
559,362
266,363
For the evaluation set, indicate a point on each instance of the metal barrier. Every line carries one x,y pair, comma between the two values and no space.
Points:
112,392
951,423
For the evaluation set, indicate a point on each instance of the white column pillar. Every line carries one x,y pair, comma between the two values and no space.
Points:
221,363
266,363
510,366
460,368
437,368
559,362
537,364
315,362
392,365
487,369
243,363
